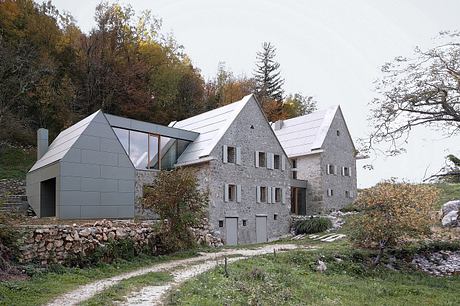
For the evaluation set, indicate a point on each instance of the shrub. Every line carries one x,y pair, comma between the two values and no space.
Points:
312,225
177,199
390,212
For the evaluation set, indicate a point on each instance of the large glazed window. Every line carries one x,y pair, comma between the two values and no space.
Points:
138,149
150,151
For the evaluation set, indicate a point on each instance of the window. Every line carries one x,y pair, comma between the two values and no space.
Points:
262,159
347,193
294,168
275,217
231,192
263,194
278,195
245,222
231,155
346,171
221,223
276,161
330,193
331,169
338,133
150,151
139,149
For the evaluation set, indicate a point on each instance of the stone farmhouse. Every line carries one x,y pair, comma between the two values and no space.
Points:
255,174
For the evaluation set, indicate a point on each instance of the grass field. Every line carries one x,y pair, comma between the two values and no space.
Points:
449,192
291,279
15,162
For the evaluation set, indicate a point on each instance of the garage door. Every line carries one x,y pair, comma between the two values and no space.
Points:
261,229
231,226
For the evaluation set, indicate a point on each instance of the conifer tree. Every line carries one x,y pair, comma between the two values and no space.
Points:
268,80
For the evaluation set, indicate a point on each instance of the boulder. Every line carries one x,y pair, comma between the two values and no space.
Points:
450,219
321,267
450,206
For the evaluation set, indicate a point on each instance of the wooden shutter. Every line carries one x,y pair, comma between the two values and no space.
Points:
343,171
269,195
256,158
283,163
224,154
283,196
270,160
238,193
328,192
328,169
335,170
258,194
349,171
273,195
225,192
238,155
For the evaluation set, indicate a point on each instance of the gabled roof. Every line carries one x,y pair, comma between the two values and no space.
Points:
211,125
65,140
301,135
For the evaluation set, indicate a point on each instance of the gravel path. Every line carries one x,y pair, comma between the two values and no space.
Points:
152,295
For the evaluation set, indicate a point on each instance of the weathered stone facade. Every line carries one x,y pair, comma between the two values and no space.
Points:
251,132
338,151
143,178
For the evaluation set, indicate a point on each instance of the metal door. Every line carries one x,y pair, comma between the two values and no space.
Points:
261,229
231,227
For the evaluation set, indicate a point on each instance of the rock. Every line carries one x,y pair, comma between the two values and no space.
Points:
111,235
450,206
85,232
58,243
321,267
450,219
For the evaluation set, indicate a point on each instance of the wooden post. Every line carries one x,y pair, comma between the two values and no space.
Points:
225,267
274,253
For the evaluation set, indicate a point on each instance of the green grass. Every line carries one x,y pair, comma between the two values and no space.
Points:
43,287
449,192
290,279
118,292
15,162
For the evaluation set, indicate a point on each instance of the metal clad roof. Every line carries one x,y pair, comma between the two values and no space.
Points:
64,141
300,135
211,125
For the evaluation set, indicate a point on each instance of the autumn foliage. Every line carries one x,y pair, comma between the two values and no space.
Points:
176,198
391,212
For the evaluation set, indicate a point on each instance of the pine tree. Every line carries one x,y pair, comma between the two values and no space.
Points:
267,75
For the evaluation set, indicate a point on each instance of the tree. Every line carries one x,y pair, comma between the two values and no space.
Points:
268,81
450,173
391,212
177,199
298,105
423,90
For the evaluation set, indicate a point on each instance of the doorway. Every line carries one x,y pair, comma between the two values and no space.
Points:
261,229
231,228
299,201
48,198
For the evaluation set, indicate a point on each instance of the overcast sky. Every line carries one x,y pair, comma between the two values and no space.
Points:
331,50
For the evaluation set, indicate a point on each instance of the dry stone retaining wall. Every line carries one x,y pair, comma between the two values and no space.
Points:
48,244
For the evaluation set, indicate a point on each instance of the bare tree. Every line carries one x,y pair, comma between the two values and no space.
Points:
421,90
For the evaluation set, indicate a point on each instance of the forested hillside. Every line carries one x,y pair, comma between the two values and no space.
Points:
52,74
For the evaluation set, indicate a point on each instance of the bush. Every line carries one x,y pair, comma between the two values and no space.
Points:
391,212
177,199
312,225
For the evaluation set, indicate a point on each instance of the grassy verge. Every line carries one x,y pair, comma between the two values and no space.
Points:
118,292
43,286
15,162
291,279
449,192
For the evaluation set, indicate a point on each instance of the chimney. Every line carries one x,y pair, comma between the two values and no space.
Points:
42,142
278,125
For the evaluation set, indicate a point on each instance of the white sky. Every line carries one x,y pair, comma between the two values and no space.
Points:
332,50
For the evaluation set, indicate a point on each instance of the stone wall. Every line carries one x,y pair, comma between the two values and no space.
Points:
143,178
46,244
251,132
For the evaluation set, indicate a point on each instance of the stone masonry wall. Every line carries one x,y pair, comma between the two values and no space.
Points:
46,244
258,138
309,168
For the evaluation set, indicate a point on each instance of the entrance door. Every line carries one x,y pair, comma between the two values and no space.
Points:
48,198
261,229
231,227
